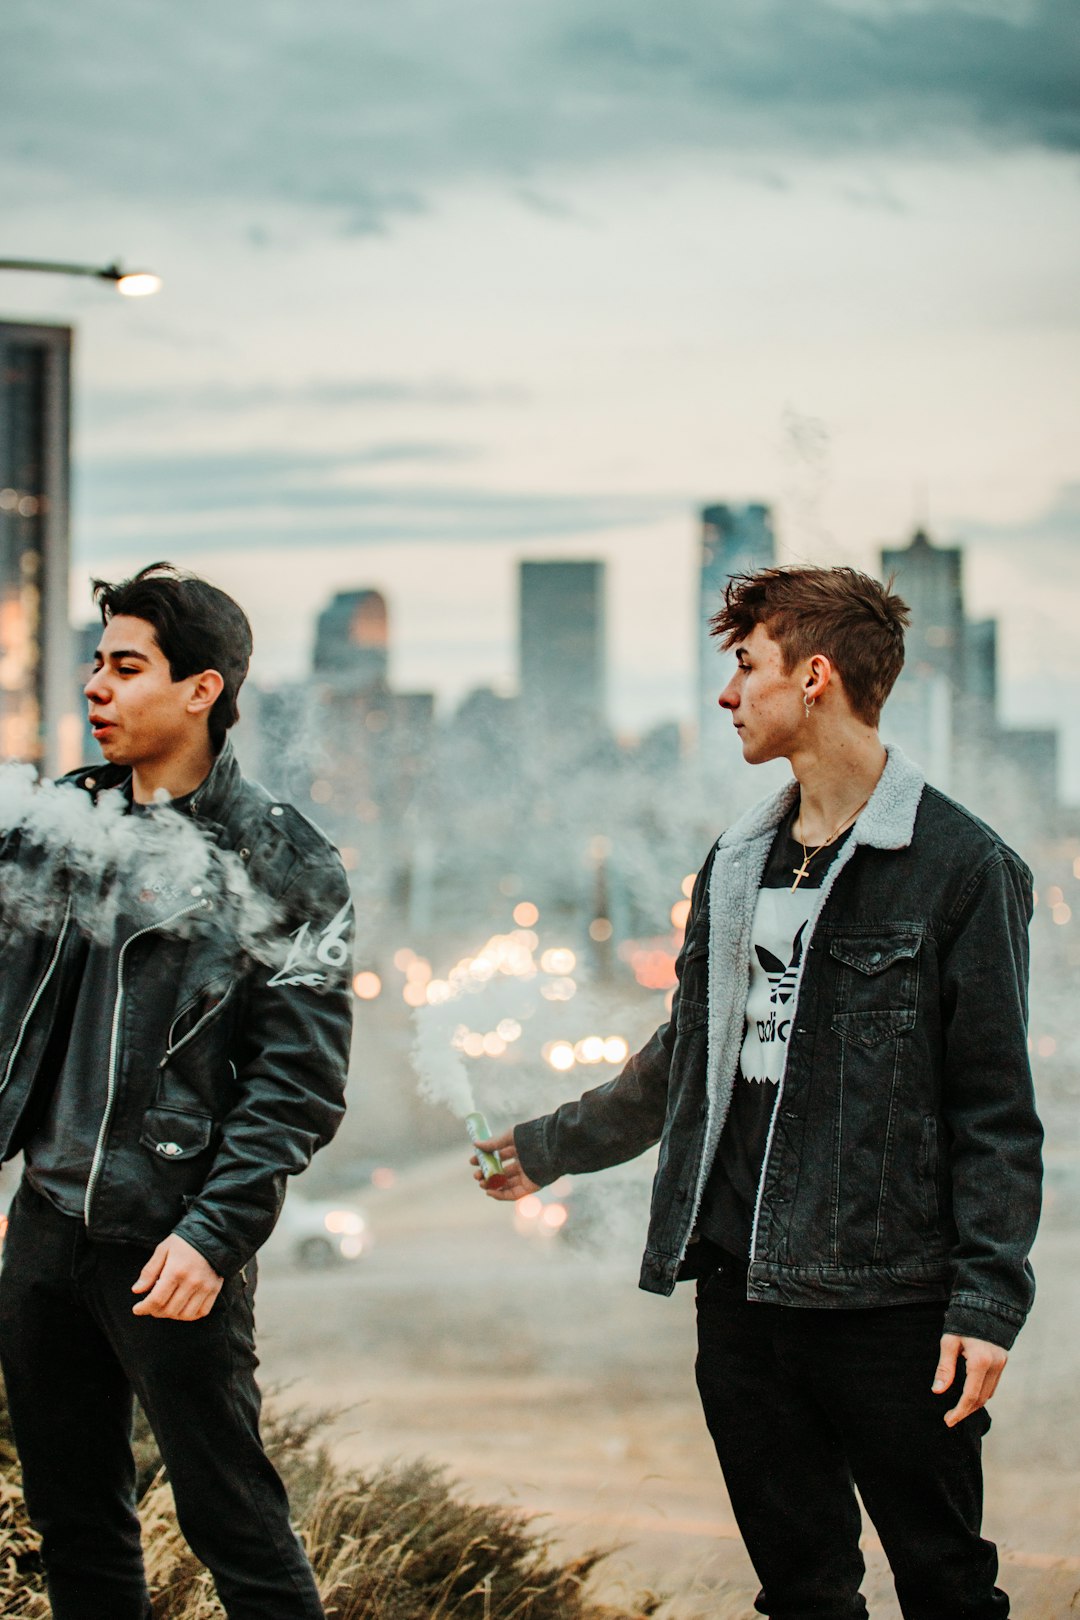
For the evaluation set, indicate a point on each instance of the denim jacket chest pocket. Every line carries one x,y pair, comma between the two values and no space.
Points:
877,985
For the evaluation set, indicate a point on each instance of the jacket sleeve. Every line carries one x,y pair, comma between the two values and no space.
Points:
618,1120
293,1048
994,1136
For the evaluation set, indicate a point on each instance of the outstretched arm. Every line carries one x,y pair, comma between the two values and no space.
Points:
613,1122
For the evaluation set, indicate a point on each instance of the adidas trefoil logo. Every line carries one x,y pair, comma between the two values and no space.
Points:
781,978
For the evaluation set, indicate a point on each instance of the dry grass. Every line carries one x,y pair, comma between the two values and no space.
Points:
402,1543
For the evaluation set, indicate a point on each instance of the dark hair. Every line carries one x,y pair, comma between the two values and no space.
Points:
852,619
197,627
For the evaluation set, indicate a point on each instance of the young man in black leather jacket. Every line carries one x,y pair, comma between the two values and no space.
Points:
163,1074
849,1150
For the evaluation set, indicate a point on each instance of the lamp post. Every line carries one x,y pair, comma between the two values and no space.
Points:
132,283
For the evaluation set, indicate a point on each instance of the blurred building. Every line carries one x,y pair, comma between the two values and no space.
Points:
37,719
352,640
734,540
343,746
943,710
562,648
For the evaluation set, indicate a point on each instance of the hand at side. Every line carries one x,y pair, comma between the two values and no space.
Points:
183,1285
985,1364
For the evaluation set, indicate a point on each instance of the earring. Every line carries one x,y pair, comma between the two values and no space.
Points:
808,704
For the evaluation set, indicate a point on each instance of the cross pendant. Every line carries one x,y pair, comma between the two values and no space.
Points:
800,872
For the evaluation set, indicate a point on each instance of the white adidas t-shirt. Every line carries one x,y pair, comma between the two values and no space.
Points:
778,939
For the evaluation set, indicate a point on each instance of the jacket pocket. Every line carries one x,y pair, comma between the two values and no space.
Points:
175,1134
692,1014
197,1014
877,987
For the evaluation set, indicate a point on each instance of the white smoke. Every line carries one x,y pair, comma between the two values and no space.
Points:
102,861
441,1074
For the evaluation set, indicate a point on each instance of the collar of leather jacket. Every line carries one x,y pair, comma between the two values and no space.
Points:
211,801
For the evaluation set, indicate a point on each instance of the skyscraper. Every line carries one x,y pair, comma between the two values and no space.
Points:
943,709
930,579
351,641
562,648
922,711
368,747
734,540
37,716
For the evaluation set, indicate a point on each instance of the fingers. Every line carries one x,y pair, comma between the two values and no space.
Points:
510,1191
158,1299
499,1144
516,1185
152,1270
184,1286
197,1304
985,1363
946,1367
178,1304
971,1398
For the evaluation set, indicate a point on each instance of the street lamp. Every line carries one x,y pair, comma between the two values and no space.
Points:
132,283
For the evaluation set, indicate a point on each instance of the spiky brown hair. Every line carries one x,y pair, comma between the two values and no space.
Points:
848,617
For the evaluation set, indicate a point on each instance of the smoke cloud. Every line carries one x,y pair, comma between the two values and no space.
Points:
440,1070
64,850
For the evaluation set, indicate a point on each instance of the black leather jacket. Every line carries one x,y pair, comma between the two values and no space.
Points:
903,1160
224,1074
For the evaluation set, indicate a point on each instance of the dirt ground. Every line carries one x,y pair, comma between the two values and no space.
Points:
543,1377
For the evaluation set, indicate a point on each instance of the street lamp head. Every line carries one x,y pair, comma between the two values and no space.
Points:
132,283
138,283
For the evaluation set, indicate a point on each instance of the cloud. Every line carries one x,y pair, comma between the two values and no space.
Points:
365,112
1028,572
119,487
1056,527
108,406
281,500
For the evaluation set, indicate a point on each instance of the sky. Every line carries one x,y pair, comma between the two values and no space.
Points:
452,285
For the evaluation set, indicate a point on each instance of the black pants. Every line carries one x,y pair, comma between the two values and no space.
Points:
72,1354
804,1405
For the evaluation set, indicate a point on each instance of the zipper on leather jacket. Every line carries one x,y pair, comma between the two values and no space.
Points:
36,997
114,1041
170,1049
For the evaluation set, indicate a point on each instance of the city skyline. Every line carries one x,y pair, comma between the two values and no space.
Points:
544,288
945,710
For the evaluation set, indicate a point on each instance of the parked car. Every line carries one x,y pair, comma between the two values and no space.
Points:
317,1233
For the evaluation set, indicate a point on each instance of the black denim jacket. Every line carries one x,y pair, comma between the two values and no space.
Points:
903,1160
224,1074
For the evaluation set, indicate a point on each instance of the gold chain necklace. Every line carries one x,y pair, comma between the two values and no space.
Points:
803,871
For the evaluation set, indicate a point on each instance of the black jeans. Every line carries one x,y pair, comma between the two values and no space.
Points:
803,1405
72,1356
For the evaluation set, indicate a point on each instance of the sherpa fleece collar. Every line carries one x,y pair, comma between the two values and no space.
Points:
888,822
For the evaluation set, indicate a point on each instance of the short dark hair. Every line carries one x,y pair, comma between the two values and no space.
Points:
851,618
196,625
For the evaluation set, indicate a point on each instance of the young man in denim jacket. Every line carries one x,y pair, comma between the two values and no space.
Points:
849,1151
